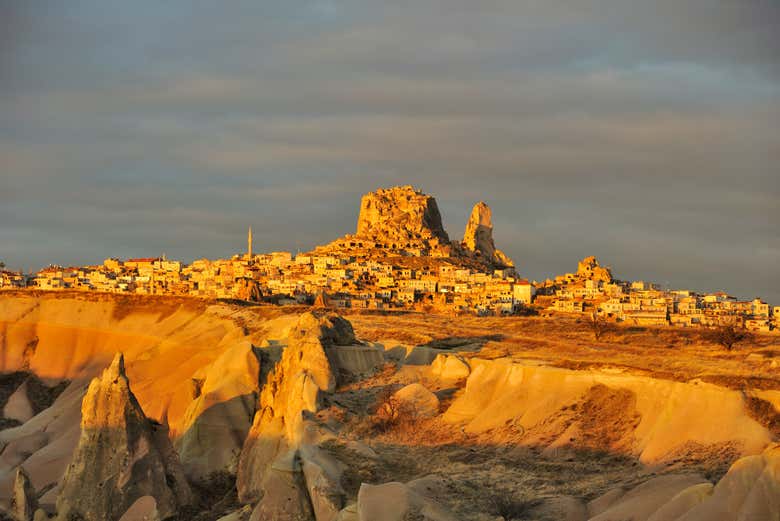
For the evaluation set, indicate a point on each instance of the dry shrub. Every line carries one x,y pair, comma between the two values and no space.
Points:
391,416
728,335
764,413
598,325
394,414
512,509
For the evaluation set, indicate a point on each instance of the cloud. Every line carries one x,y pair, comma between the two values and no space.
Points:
643,132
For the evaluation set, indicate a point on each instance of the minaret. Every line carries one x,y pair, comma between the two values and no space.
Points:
249,244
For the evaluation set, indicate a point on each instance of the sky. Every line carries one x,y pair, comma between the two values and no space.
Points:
645,133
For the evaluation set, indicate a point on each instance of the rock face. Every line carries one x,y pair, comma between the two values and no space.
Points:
478,237
218,419
292,390
400,214
589,268
121,456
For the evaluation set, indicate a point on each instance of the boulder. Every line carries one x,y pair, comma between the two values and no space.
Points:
417,400
396,501
450,368
121,456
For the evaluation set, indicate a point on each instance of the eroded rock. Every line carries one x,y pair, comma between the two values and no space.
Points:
23,503
218,419
400,214
415,399
121,456
292,390
478,237
284,492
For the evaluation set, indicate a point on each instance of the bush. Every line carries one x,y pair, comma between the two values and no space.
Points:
393,414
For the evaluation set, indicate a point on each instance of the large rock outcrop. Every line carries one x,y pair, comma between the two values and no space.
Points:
121,456
400,214
589,268
478,237
293,390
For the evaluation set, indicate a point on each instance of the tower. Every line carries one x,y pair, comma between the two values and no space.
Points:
249,244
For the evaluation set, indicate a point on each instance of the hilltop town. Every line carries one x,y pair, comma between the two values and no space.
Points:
400,257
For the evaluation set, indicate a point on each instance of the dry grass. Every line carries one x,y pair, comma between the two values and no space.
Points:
664,352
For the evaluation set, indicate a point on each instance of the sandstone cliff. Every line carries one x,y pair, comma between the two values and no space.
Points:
121,456
478,237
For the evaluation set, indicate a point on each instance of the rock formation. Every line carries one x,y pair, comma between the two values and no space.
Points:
589,268
417,400
400,214
750,490
285,497
23,505
292,390
121,456
478,237
396,501
218,419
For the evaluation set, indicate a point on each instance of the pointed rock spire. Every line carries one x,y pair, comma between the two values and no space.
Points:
478,237
23,503
121,456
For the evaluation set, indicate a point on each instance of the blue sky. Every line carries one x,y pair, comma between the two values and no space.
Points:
645,133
